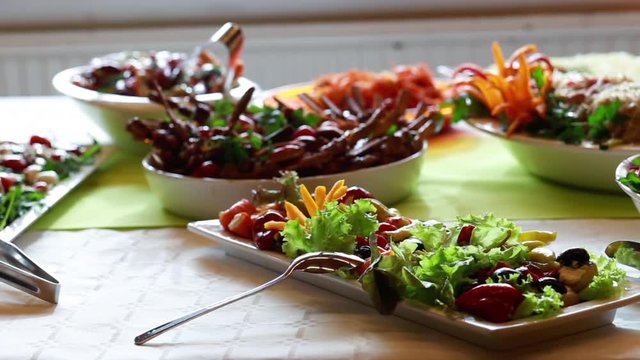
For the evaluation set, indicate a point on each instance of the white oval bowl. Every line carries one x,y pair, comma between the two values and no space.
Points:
621,171
204,198
111,111
572,165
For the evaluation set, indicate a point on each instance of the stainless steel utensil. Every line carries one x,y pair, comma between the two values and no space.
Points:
317,262
230,35
633,247
17,270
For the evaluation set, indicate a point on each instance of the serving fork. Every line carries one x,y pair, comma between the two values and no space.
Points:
316,262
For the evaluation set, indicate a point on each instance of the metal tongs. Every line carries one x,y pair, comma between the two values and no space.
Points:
17,270
230,35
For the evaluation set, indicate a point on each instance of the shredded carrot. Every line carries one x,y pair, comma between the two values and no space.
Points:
339,193
499,58
293,213
274,225
334,188
320,194
309,203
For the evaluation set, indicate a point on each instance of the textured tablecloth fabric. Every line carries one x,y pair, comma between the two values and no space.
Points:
117,284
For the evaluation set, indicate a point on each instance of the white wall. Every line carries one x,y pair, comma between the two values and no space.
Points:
278,54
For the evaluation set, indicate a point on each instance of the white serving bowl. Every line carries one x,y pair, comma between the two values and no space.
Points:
621,171
572,165
204,198
111,111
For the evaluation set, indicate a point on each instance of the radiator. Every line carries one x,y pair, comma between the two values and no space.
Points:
283,54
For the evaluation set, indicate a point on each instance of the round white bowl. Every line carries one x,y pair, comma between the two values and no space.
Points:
204,198
111,111
621,171
572,165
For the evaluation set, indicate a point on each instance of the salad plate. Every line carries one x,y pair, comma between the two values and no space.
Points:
581,166
53,196
573,319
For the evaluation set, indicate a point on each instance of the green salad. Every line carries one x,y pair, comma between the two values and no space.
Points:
482,265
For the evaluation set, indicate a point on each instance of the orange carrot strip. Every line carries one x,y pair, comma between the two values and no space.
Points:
490,94
309,203
498,58
293,213
335,188
320,194
339,193
274,225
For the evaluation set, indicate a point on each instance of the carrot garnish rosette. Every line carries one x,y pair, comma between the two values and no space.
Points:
515,92
482,265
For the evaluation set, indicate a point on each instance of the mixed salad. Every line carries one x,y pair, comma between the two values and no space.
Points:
481,265
29,171
527,94
632,179
136,73
227,140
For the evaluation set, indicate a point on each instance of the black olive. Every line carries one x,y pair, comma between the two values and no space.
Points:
505,273
574,257
363,251
556,284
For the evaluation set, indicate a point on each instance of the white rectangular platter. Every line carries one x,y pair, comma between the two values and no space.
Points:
508,335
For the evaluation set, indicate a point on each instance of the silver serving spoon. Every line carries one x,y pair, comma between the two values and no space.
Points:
317,262
230,35
626,252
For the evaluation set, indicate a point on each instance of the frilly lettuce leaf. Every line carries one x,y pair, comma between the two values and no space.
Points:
451,267
547,303
433,234
334,228
608,282
490,231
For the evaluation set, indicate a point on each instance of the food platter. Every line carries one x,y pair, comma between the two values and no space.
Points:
580,317
582,166
54,195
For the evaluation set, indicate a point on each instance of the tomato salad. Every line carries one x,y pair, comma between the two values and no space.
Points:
481,265
29,171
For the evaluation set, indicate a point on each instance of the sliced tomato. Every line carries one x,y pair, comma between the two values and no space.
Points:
493,302
241,225
242,206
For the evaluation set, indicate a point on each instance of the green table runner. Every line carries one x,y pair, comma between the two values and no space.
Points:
463,173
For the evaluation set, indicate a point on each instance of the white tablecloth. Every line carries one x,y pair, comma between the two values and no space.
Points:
117,284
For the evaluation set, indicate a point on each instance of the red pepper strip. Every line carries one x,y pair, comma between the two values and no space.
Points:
524,50
468,67
540,57
493,302
464,238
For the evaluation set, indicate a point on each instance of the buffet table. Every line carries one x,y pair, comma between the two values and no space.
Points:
126,265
